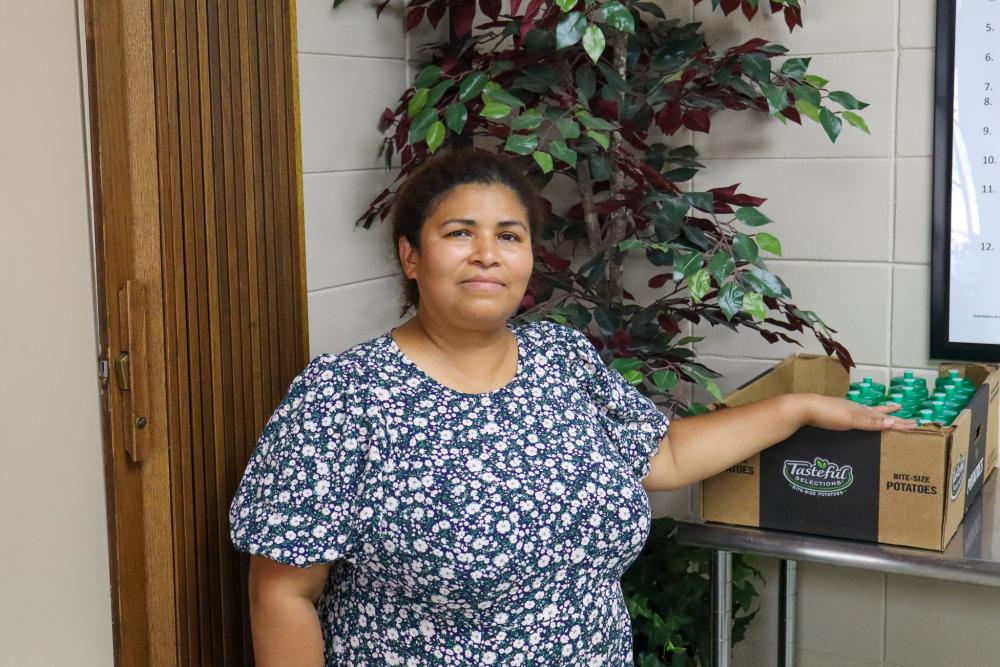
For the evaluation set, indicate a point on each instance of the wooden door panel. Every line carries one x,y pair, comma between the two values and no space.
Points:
198,209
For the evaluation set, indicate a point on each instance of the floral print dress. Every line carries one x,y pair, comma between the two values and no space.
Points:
463,529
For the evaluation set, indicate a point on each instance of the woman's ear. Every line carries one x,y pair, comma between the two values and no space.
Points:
409,258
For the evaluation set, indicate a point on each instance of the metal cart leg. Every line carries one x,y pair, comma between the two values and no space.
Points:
722,608
787,592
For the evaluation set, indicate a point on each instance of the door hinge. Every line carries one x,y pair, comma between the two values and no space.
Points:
131,371
103,371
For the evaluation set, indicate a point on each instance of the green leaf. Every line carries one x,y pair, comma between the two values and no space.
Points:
427,76
768,243
544,161
592,122
526,121
568,128
847,100
420,125
857,121
417,102
688,265
807,93
815,81
777,98
795,68
765,282
699,284
713,389
664,380
593,42
455,116
435,136
522,144
721,265
731,299
494,93
471,86
631,244
438,91
618,17
744,247
566,5
495,110
622,364
559,150
752,216
500,66
807,109
600,138
634,377
757,67
569,30
753,304
830,123
703,201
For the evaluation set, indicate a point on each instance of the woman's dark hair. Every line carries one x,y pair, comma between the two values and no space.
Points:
430,183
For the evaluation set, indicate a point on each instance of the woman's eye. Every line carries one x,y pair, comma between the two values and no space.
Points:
510,237
458,231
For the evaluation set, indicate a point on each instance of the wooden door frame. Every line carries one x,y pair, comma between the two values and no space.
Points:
127,249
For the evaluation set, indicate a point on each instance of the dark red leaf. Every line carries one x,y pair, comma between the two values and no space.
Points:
729,6
527,301
668,118
449,62
747,200
621,340
414,17
407,154
657,178
607,109
697,120
381,8
792,114
610,205
491,8
658,281
747,46
667,324
435,11
387,117
514,6
627,294
529,18
749,10
776,7
401,131
555,261
462,14
724,194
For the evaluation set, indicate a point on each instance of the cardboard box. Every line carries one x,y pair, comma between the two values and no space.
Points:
906,488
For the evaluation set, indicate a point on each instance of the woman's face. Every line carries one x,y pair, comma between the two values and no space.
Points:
475,256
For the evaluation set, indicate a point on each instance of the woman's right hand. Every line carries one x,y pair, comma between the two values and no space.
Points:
840,414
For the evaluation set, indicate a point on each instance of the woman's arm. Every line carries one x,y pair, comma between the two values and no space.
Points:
283,619
699,447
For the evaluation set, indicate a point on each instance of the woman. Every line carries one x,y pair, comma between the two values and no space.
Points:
463,491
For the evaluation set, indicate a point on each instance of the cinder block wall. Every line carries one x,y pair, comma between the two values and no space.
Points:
853,217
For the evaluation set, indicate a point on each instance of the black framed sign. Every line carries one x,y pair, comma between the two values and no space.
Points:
965,237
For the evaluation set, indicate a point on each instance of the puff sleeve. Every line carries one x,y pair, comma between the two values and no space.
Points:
631,421
303,498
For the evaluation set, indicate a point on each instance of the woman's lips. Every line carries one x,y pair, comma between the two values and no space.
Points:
483,285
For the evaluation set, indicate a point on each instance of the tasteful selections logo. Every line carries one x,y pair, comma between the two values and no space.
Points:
956,477
819,477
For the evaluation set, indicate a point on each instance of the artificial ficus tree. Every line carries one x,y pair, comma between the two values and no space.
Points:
600,92
604,93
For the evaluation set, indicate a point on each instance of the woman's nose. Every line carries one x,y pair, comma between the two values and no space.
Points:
484,249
